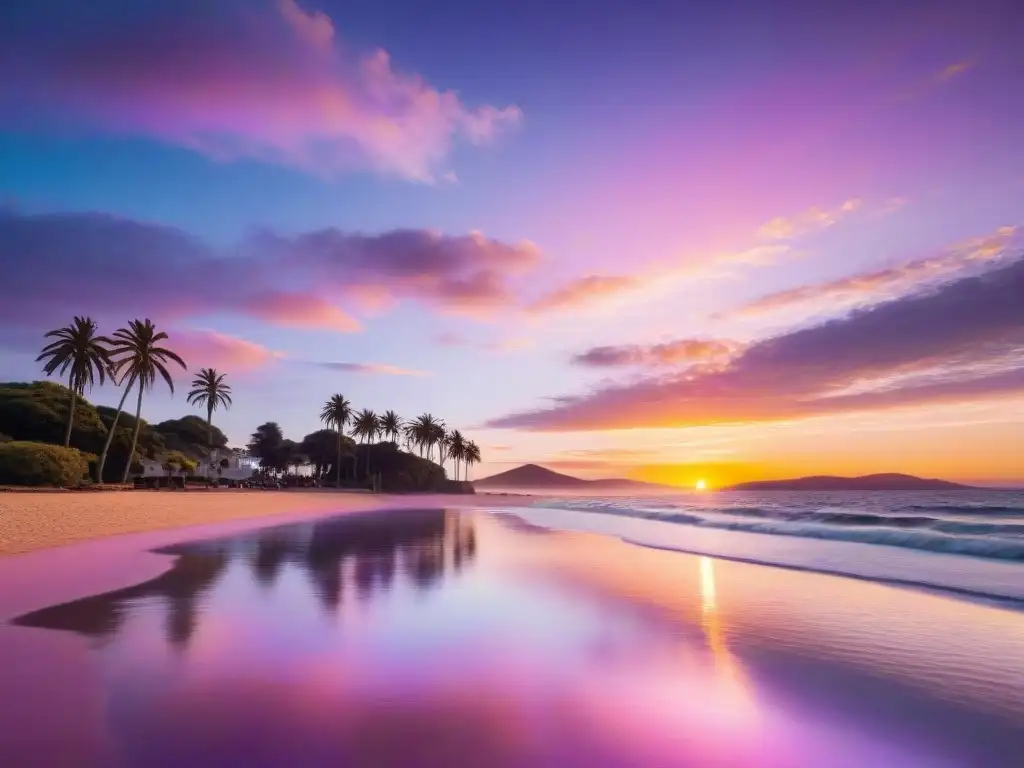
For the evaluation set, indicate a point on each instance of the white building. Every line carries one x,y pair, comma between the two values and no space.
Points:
221,465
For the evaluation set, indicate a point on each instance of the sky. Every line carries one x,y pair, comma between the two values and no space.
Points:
669,241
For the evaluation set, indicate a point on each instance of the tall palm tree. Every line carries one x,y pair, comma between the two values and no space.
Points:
81,354
472,456
139,360
113,425
435,437
336,412
456,448
366,426
209,389
391,426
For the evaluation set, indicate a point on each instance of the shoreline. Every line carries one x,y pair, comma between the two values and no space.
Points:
44,520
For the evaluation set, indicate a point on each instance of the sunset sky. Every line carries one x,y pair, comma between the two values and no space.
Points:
664,240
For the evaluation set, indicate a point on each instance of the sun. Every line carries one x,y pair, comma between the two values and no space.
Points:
701,485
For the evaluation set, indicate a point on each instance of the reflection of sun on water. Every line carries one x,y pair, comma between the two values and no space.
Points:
730,673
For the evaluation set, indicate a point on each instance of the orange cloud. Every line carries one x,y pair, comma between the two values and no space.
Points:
203,348
583,291
810,220
955,69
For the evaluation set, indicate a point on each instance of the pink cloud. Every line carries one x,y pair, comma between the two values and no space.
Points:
271,84
300,310
585,290
202,348
681,352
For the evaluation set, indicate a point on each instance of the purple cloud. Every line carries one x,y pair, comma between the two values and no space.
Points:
265,80
956,341
55,264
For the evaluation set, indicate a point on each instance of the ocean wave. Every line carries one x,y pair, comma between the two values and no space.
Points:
1000,541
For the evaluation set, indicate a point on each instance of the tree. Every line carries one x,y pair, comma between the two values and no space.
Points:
336,412
81,354
391,426
366,426
266,444
209,389
191,435
138,358
113,426
472,456
426,432
319,447
456,449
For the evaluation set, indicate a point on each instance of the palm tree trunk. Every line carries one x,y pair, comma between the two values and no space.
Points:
209,426
110,434
135,434
71,418
337,466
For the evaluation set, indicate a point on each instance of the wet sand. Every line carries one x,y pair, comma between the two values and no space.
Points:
446,637
30,521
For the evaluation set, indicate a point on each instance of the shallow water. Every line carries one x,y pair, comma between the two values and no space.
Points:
966,542
445,638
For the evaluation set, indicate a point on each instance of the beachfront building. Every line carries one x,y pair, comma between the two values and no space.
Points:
227,465
221,465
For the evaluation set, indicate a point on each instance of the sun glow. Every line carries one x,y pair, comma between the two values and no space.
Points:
701,485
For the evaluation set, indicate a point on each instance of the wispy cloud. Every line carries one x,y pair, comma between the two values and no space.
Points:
370,368
809,220
678,353
202,347
266,81
958,341
953,70
883,284
584,291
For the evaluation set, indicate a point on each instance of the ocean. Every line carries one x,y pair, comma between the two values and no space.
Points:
967,543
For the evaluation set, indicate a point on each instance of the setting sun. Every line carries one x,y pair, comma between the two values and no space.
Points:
701,485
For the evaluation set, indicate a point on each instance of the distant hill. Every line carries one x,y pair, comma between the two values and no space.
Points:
883,482
540,478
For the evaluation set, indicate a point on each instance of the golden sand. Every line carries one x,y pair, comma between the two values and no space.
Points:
35,520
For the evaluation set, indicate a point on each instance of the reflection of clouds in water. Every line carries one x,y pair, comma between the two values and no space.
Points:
735,687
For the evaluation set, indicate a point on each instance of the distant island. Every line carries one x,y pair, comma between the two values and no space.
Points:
540,478
883,482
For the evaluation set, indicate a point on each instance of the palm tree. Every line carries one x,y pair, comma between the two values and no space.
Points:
456,448
426,432
139,360
366,426
337,411
391,426
79,353
113,425
472,456
209,389
435,436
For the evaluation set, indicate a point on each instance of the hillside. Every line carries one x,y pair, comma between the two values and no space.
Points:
881,482
532,476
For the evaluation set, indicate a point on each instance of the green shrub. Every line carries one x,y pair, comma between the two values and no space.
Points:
25,463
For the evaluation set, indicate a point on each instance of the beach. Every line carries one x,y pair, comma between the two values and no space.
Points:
311,628
30,521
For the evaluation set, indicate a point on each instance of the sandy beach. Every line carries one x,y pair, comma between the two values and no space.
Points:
30,521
